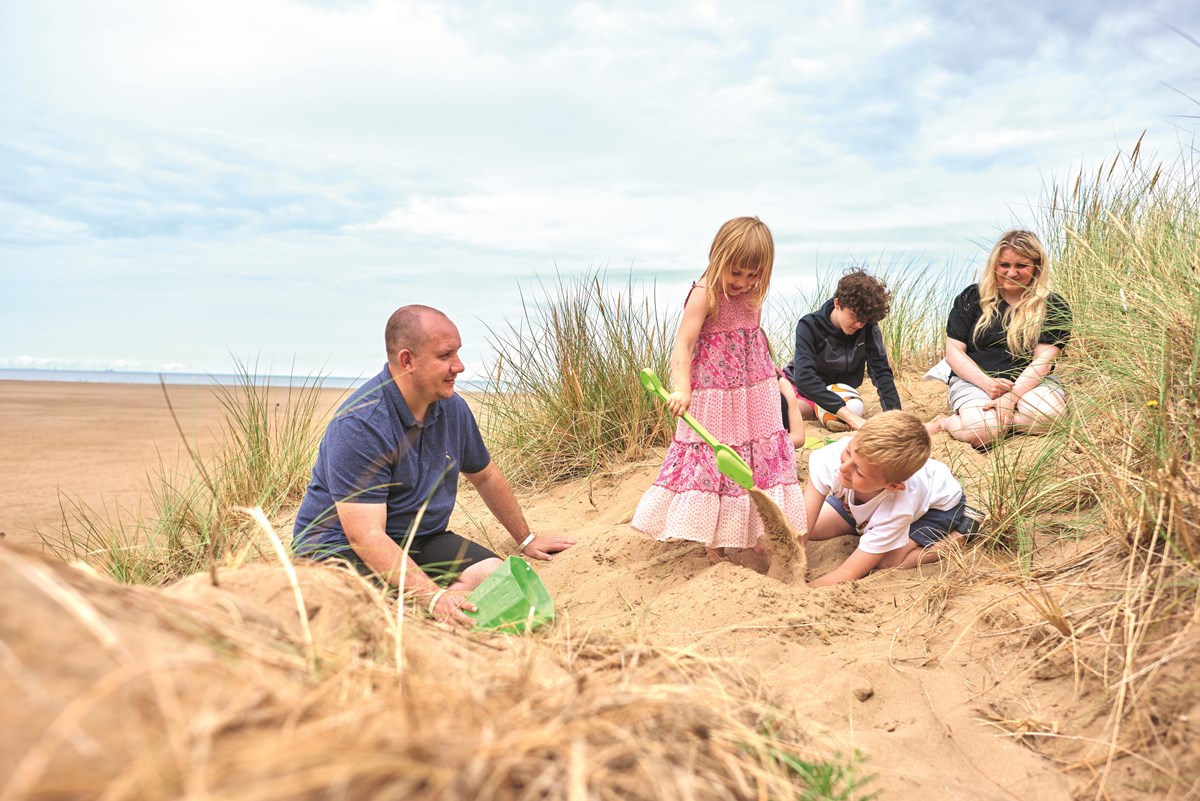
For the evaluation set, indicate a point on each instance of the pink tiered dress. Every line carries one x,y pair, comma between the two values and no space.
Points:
735,395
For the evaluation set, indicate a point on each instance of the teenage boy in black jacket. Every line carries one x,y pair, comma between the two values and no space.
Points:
833,346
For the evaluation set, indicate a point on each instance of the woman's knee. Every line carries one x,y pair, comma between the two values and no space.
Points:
976,426
977,437
1040,408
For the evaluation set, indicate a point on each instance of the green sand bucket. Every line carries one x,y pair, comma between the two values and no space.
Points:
512,598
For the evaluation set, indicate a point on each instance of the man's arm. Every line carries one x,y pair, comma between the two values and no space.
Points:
365,528
493,487
857,565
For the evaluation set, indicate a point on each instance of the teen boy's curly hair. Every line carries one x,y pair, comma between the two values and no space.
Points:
865,295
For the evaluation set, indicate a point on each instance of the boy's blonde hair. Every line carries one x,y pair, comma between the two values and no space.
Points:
896,443
744,241
1026,318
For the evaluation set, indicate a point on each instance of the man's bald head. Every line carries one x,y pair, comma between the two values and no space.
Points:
408,328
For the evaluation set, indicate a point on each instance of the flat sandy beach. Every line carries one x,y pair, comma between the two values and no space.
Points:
95,443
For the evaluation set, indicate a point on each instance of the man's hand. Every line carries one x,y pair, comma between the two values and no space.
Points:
449,606
542,547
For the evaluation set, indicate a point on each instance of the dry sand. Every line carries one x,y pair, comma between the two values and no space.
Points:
94,444
911,668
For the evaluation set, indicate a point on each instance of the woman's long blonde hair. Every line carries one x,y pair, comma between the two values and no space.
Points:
1024,319
744,241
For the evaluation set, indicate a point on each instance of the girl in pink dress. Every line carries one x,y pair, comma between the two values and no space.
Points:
721,370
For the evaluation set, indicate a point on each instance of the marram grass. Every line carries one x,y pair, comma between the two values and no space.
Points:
264,461
563,399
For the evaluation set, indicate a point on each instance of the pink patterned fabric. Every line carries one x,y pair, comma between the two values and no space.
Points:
735,395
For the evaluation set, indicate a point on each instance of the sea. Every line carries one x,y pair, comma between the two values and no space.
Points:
196,379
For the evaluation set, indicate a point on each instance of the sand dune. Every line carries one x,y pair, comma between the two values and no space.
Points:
935,676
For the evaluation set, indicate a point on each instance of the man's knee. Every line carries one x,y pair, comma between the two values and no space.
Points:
474,575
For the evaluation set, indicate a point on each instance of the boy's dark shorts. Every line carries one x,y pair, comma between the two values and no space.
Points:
443,556
934,526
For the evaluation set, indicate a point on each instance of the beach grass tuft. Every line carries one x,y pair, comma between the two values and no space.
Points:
1125,244
264,461
563,399
214,702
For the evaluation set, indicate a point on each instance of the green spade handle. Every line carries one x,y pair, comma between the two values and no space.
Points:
728,460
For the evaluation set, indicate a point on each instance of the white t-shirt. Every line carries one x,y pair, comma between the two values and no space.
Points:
884,520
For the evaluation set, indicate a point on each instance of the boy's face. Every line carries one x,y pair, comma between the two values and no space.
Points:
860,475
845,318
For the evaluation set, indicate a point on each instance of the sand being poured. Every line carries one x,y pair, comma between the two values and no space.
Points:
788,561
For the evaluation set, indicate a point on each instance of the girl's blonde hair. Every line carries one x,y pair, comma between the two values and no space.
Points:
1025,318
743,241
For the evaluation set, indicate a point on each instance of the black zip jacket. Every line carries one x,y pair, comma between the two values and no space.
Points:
824,355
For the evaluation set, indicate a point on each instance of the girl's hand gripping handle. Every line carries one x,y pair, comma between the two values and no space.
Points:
728,460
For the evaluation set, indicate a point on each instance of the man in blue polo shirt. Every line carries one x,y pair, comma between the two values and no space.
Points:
389,463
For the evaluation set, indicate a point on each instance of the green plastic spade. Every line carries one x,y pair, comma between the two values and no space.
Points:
728,461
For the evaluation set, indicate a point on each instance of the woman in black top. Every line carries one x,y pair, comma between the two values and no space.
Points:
1002,338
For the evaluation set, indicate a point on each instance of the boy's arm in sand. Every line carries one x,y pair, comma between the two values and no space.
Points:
855,421
494,488
814,500
694,312
857,565
365,528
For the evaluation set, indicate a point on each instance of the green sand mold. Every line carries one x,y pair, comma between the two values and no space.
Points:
512,598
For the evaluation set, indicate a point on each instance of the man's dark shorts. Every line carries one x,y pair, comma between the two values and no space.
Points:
934,526
442,556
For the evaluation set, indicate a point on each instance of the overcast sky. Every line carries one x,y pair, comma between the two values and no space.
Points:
184,183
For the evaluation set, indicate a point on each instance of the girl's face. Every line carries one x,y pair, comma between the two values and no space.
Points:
1014,272
739,280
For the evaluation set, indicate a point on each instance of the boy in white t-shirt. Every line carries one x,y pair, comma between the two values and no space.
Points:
881,485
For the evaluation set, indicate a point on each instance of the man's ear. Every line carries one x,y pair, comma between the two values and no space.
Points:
404,359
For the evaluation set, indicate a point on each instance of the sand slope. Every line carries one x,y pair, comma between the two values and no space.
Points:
938,677
868,663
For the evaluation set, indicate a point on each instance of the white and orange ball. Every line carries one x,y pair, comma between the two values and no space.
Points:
847,393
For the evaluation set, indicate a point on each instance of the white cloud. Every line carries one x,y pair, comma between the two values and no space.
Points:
275,161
